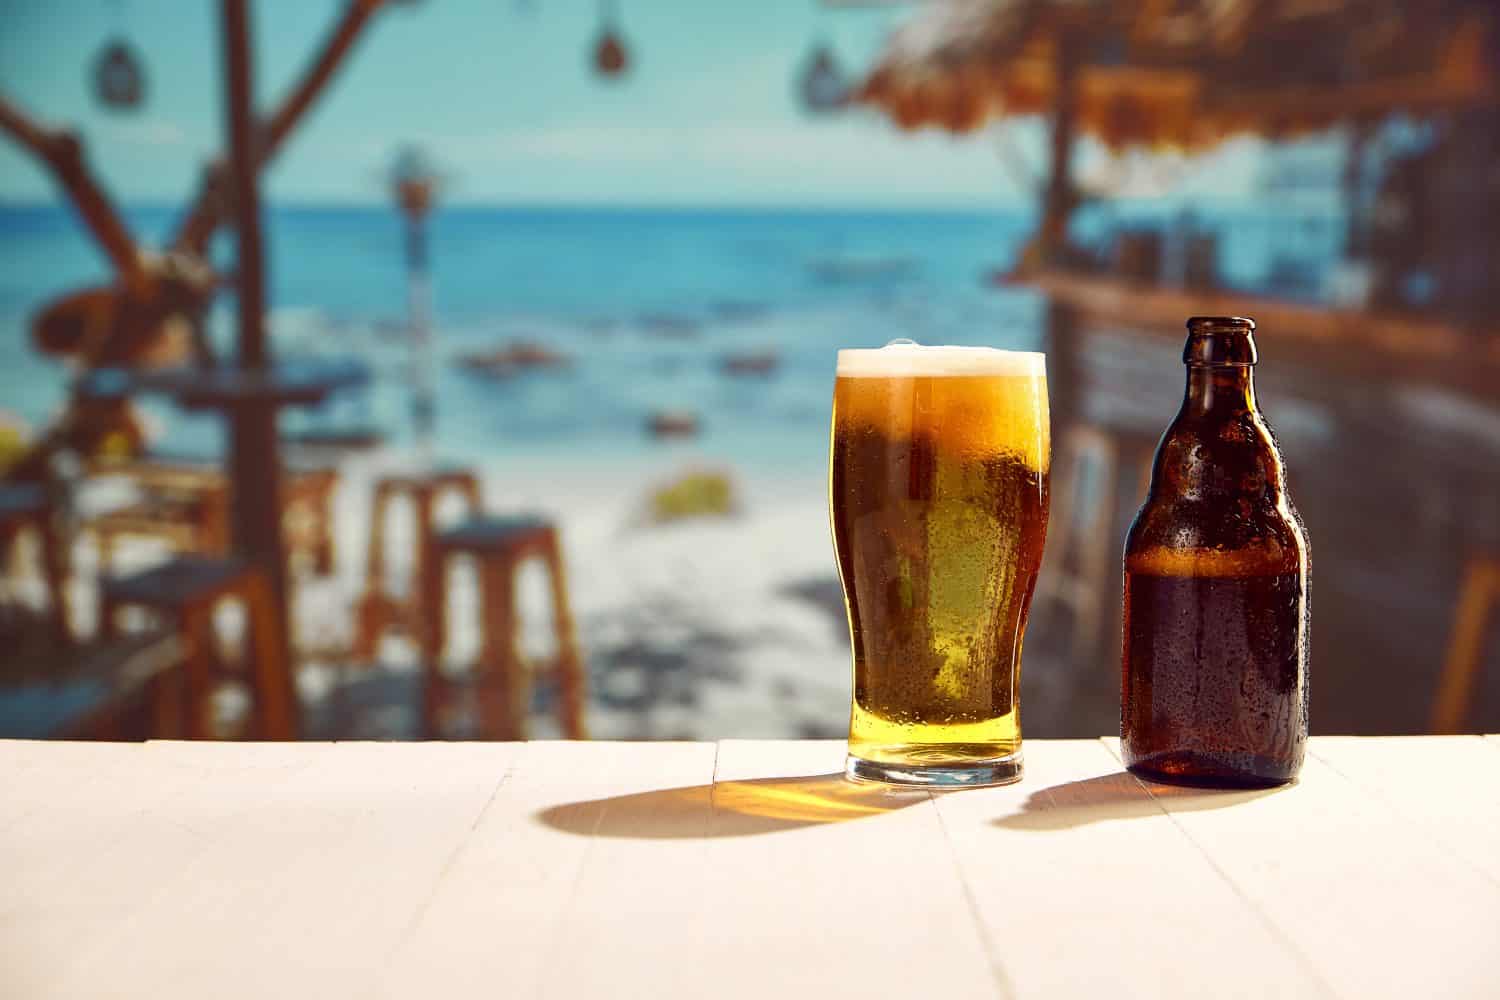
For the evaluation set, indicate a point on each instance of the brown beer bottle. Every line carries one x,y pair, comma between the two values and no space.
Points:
1214,673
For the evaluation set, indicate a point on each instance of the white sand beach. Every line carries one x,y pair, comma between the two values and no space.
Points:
705,627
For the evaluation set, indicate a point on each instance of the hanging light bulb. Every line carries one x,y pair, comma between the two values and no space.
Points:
823,85
610,56
119,80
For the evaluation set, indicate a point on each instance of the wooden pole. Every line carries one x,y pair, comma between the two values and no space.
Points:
1065,375
419,305
1059,199
255,466
1351,190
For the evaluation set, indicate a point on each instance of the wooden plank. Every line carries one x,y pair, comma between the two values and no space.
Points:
821,886
301,891
35,775
747,870
1371,342
1087,888
1375,909
576,881
119,821
1449,786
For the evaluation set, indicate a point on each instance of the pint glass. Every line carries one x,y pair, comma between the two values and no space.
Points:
938,480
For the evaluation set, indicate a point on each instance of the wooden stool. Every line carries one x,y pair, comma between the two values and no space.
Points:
1477,598
1082,545
379,610
185,590
26,505
498,546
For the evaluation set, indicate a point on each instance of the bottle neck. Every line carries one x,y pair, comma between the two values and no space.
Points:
1219,390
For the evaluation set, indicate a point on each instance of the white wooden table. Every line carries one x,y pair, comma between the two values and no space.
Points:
509,871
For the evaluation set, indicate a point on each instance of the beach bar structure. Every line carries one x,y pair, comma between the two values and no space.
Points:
1185,77
1143,76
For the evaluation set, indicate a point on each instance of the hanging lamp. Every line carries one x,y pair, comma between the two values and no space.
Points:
823,85
611,59
119,80
119,76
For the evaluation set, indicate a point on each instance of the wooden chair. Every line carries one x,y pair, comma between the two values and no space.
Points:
1082,544
499,545
379,610
184,591
186,505
1478,597
26,506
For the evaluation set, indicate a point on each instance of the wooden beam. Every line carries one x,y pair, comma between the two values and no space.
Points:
1419,347
62,152
254,459
1059,196
1420,93
212,203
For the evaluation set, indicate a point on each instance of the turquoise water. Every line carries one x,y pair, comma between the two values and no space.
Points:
598,285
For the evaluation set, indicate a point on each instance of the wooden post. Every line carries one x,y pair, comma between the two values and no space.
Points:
429,575
1064,377
429,585
195,676
255,465
572,681
270,671
419,307
1059,197
55,570
1351,189
1477,597
503,689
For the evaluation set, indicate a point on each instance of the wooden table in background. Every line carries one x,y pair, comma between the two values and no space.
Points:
742,869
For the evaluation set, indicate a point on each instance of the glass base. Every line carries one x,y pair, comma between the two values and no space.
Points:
980,773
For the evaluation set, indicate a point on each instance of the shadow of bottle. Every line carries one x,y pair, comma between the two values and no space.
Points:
1116,796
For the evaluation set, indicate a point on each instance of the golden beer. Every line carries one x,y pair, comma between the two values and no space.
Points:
938,495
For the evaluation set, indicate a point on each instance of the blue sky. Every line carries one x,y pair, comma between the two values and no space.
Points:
500,94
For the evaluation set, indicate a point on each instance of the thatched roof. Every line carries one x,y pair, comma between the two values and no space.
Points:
1187,73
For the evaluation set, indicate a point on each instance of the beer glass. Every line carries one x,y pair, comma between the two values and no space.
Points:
938,479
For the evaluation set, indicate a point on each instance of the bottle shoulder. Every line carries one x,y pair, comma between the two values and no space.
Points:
1219,488
1246,540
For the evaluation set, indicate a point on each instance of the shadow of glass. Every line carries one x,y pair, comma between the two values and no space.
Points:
1118,796
729,808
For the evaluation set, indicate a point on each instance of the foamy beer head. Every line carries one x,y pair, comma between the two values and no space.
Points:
970,400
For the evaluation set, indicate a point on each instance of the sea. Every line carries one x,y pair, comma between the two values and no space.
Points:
646,306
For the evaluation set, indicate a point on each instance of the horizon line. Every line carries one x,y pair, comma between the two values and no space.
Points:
1016,206
955,208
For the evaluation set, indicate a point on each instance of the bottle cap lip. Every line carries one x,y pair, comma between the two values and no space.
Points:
1220,340
1228,324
